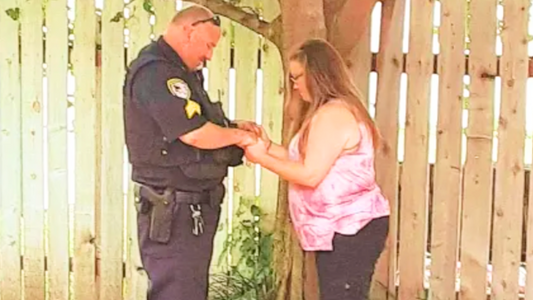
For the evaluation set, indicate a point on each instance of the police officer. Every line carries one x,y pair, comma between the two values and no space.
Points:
180,145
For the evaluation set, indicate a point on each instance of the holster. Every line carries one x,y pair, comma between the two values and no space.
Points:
161,209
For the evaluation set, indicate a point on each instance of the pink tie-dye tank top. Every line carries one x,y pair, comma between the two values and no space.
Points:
345,201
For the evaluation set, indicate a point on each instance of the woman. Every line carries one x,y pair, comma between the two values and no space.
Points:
335,205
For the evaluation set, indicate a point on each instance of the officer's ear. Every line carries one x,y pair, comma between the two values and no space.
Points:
188,31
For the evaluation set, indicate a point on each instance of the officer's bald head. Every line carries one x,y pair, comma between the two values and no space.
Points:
191,15
193,33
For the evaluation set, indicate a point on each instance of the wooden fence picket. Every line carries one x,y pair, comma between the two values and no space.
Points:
58,208
509,182
390,68
446,202
10,153
477,181
87,136
110,212
415,170
31,43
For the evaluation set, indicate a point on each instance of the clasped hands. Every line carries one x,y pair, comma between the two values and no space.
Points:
255,141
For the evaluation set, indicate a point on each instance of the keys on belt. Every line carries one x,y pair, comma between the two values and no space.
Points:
180,197
198,220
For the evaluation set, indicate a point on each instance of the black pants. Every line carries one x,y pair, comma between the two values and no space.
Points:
346,272
179,269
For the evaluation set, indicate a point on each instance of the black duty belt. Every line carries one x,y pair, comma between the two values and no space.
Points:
213,197
163,203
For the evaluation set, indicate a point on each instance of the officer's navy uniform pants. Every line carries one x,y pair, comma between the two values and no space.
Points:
179,269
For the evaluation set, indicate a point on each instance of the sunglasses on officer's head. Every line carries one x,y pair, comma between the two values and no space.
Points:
215,20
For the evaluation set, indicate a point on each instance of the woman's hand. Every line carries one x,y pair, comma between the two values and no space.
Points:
258,130
264,137
256,151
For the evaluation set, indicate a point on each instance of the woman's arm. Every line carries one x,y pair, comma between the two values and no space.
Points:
278,151
329,132
274,149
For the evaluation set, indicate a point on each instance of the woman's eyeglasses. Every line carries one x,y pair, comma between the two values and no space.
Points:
294,78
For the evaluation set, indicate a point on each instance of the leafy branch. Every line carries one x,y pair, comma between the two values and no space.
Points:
251,276
245,15
251,20
147,6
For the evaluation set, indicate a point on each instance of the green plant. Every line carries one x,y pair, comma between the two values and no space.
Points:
250,276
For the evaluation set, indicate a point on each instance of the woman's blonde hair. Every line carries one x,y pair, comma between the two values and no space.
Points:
327,78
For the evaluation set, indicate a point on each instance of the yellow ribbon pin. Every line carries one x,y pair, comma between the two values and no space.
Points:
191,108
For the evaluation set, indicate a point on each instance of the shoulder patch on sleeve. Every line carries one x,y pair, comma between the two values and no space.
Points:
179,88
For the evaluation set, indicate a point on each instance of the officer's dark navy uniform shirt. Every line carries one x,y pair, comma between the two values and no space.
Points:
165,102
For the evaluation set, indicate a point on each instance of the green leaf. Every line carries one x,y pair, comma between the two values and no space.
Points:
246,223
255,210
13,13
119,16
250,263
148,6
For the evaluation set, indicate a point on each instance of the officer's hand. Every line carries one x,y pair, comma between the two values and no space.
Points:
249,126
247,138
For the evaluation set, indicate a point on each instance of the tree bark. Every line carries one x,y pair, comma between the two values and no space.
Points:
301,20
331,11
342,23
349,24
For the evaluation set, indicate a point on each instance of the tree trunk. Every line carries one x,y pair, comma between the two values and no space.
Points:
301,20
343,23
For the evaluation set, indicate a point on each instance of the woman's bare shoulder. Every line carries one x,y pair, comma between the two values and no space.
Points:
335,111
